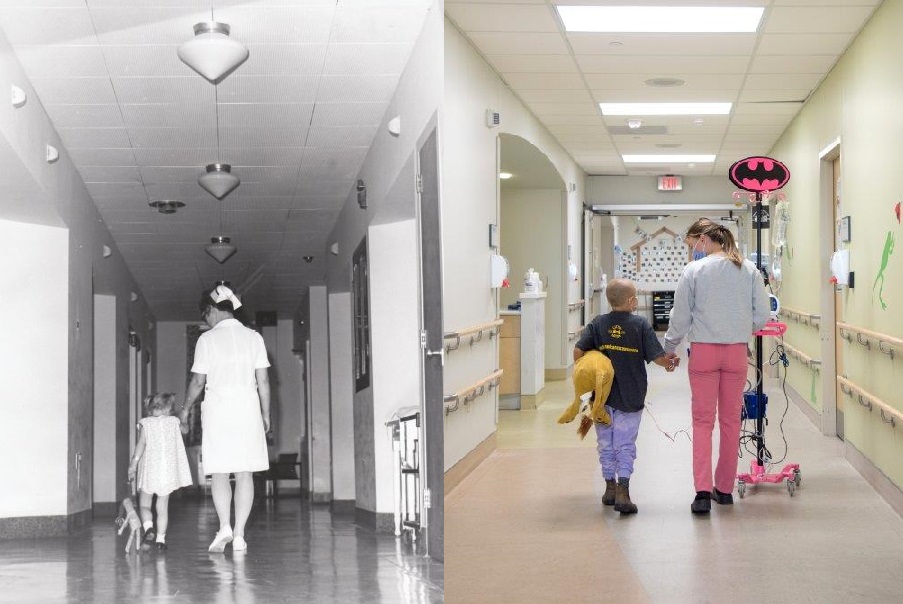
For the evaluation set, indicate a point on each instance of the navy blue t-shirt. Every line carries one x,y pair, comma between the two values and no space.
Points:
629,342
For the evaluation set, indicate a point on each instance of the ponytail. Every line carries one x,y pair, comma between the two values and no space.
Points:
720,235
730,246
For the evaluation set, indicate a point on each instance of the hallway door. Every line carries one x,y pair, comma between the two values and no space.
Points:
134,413
432,432
838,300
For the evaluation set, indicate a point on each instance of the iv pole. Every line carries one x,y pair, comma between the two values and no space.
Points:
749,181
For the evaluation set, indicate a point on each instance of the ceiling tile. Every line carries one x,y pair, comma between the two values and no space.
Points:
94,137
801,64
545,81
520,44
75,91
495,18
62,61
172,137
351,89
349,114
533,63
88,116
181,89
366,24
366,59
663,65
168,115
268,89
294,116
33,25
816,19
662,44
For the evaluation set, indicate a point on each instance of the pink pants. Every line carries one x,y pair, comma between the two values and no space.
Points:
717,377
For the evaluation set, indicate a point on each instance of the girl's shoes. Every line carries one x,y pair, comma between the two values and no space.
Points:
150,536
222,538
239,545
161,546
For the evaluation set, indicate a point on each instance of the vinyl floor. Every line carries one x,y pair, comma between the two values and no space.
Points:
527,525
297,553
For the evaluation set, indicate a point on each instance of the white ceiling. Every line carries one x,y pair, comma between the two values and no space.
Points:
295,121
562,77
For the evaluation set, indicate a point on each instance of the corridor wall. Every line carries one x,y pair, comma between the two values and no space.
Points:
856,110
389,212
60,197
470,204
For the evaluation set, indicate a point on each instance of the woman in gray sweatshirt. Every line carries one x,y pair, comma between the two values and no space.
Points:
719,302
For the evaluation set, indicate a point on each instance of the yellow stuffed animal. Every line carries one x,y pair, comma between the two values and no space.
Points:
592,372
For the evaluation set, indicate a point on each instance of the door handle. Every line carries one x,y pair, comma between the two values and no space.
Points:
436,353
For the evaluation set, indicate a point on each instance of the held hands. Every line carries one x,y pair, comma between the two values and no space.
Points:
670,361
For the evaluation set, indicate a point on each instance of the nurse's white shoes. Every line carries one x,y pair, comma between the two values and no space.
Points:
222,538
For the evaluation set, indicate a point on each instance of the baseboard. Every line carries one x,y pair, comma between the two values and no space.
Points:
558,374
458,472
108,509
885,487
803,405
379,523
343,507
321,497
44,526
532,401
873,475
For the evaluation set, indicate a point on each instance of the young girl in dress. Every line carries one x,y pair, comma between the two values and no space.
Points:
160,463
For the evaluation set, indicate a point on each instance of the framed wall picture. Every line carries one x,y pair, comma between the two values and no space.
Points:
845,229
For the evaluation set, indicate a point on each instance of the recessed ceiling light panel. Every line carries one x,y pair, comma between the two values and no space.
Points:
661,19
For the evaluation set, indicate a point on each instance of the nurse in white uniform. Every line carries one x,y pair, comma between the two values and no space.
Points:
230,368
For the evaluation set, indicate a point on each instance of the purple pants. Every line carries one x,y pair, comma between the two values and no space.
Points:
617,443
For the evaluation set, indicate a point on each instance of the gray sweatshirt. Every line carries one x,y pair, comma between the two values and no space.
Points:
717,303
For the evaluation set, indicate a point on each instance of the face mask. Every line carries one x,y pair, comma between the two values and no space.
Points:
698,254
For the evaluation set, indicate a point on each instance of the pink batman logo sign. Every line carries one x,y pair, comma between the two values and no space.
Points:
759,174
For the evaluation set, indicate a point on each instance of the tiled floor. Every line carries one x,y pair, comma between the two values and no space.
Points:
297,553
527,525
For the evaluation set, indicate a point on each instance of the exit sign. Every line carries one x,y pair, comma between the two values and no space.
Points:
669,182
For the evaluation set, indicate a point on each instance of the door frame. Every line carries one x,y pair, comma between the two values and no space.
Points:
431,325
828,323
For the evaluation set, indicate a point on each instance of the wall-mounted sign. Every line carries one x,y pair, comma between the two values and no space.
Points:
669,182
759,174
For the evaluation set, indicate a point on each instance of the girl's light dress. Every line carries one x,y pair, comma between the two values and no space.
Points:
164,465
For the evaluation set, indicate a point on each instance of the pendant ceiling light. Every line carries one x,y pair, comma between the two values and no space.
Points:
219,180
212,53
221,248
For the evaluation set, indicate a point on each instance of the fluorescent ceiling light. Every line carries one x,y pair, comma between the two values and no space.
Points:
505,175
665,108
661,19
668,159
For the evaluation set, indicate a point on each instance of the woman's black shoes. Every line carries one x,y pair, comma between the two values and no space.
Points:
722,498
702,504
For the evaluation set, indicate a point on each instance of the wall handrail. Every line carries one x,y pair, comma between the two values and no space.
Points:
475,333
813,364
472,392
573,335
888,414
886,344
798,316
576,305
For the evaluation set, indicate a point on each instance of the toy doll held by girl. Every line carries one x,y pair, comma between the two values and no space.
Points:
160,464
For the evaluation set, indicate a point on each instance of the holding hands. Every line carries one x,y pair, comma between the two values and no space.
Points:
669,361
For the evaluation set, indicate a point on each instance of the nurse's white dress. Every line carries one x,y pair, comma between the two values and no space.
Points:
233,437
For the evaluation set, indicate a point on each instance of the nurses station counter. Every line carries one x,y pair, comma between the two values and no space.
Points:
522,353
